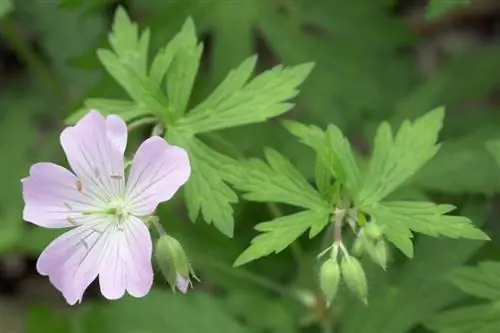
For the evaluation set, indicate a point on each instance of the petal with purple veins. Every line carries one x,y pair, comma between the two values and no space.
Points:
52,199
72,260
158,170
94,148
126,264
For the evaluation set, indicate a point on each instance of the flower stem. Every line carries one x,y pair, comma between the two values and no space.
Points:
141,122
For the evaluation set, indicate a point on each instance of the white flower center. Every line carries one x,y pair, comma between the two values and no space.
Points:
119,208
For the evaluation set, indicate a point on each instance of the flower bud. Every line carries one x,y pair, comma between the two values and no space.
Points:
354,277
173,262
361,243
329,278
378,253
373,230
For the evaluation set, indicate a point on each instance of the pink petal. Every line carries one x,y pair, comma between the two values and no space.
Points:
182,284
158,171
94,148
126,265
117,132
51,197
72,260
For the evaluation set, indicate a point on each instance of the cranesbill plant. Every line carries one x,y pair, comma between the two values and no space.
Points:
107,208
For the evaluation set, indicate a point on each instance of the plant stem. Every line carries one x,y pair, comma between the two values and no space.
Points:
141,122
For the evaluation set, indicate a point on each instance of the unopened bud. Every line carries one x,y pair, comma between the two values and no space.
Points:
354,277
329,278
373,230
378,253
173,262
360,245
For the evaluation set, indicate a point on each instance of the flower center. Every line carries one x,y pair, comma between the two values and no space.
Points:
118,208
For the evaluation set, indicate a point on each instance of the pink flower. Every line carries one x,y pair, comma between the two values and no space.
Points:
108,239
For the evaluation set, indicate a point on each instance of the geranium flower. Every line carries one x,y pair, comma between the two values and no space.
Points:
104,207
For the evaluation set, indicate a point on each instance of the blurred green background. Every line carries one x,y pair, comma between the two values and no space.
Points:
375,60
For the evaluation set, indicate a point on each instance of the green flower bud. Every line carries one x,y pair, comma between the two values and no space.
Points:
359,246
378,253
329,278
173,263
354,277
373,230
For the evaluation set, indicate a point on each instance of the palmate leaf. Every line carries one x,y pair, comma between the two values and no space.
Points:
279,233
482,281
419,284
279,181
397,158
238,100
400,218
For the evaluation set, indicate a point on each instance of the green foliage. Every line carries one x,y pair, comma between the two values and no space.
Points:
397,158
482,281
5,7
234,102
437,8
188,67
400,218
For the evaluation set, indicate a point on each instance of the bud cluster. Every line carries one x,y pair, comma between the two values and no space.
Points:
369,239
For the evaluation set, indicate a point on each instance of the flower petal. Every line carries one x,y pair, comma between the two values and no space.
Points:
117,132
182,283
94,148
158,171
127,265
51,197
72,260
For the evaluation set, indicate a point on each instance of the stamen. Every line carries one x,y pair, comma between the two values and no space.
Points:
71,220
116,177
68,206
79,185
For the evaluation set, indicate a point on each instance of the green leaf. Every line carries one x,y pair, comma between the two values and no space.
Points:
277,181
419,283
130,50
181,42
493,147
437,8
182,72
128,110
483,318
395,159
236,102
309,135
339,158
5,7
167,312
150,94
279,233
400,218
206,190
482,281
